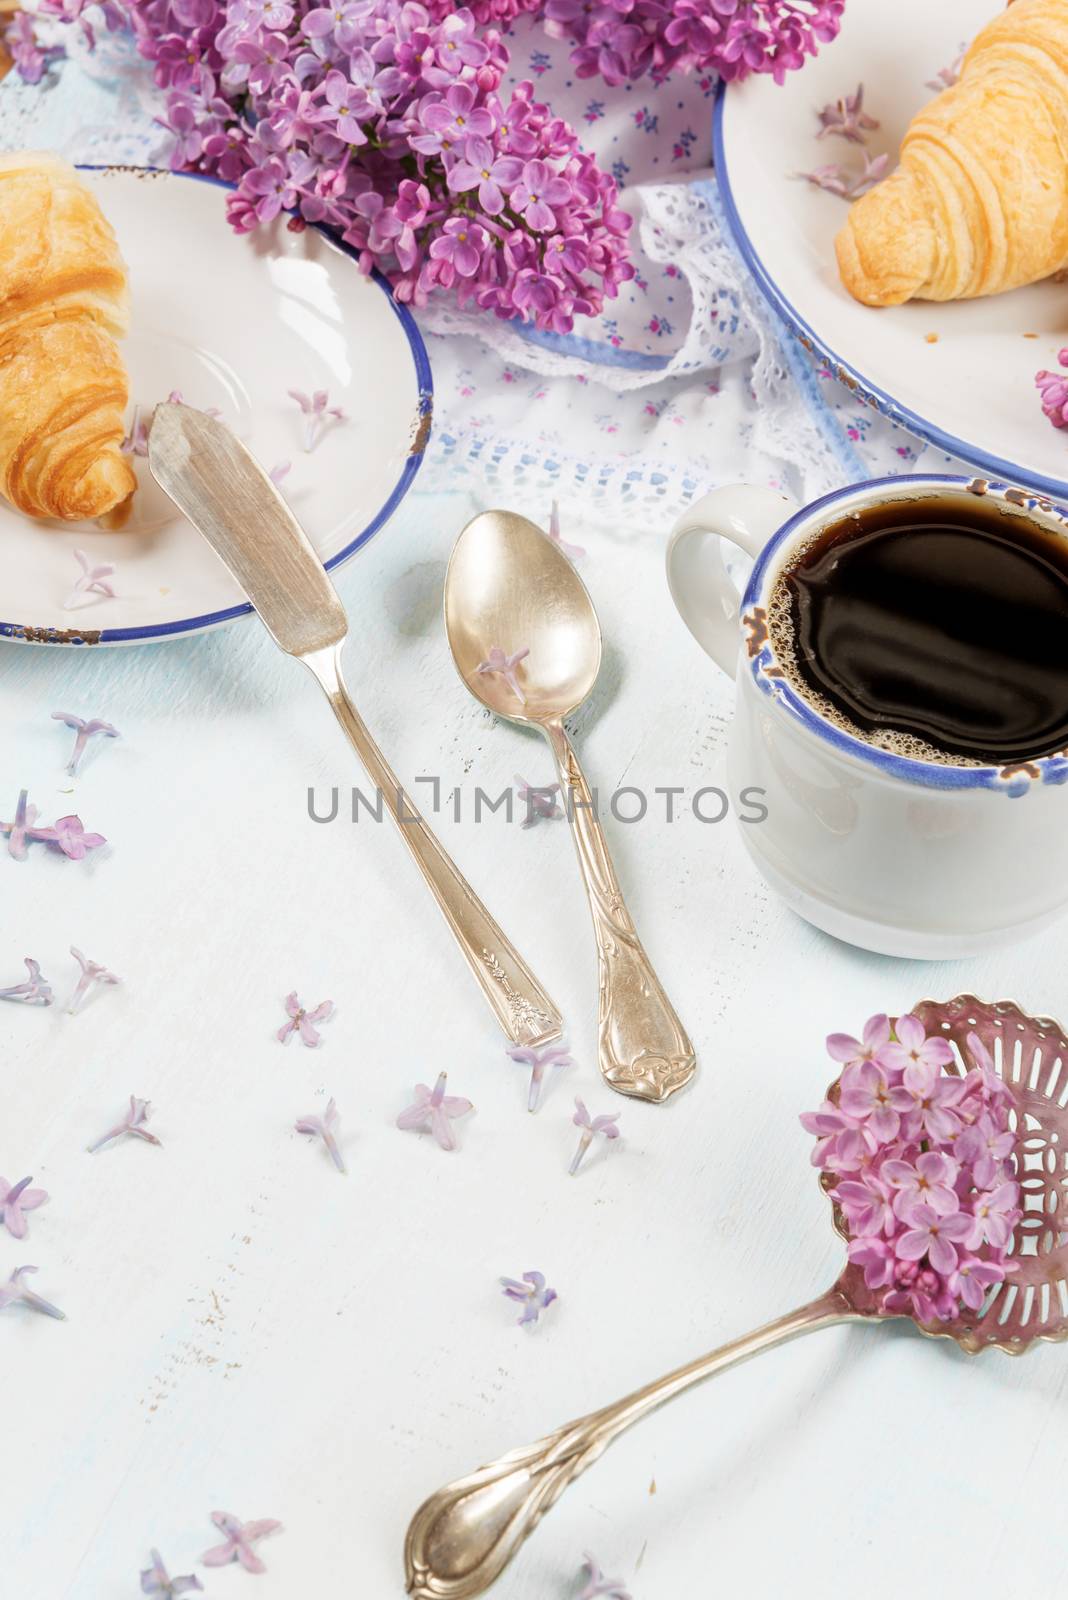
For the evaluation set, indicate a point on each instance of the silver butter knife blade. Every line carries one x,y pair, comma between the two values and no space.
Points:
228,497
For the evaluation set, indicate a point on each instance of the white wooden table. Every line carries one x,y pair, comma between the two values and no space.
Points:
249,1331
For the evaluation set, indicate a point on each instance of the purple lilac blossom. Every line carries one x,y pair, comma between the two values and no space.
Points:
924,1168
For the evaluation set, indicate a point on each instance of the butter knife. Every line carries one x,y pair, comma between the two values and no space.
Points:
224,492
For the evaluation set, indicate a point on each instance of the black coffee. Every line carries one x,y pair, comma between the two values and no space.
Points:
936,624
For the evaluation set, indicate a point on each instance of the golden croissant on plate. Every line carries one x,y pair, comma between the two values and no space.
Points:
63,387
979,202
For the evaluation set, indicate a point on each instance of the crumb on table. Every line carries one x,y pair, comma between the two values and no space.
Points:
931,338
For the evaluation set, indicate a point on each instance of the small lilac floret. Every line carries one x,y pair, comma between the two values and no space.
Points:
14,1200
598,1587
93,580
531,1293
327,1128
240,1538
155,1581
550,1055
133,1122
35,991
434,1109
318,413
575,551
592,1127
303,1022
93,972
83,732
14,1289
847,118
540,801
497,661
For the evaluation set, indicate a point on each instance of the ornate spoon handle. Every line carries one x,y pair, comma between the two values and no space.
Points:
463,1537
521,1005
643,1047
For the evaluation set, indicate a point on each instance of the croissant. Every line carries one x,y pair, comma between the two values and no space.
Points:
979,202
63,386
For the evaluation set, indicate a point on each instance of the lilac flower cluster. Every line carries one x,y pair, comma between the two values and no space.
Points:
924,1170
383,120
621,39
1053,392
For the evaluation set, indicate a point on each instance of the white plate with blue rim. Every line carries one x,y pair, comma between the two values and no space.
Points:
959,375
232,322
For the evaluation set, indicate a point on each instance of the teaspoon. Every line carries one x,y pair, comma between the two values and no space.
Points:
513,598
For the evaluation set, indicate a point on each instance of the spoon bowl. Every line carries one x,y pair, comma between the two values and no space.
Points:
509,585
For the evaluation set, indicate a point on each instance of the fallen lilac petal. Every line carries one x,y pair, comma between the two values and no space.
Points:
434,1109
603,1126
575,551
505,665
133,1122
326,1128
550,1055
531,1293
92,581
93,972
303,1022
155,1581
279,472
240,1538
14,1200
14,1289
35,991
83,731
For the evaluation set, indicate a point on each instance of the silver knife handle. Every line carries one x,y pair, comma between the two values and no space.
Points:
522,1007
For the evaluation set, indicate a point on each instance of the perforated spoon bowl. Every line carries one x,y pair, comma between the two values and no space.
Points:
462,1538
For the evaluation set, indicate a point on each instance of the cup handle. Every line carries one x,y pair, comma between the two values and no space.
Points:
703,591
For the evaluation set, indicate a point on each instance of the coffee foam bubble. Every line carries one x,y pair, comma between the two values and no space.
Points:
784,642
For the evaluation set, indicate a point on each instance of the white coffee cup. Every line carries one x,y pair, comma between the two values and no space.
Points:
906,857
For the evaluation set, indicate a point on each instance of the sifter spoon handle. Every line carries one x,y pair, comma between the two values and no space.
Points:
462,1538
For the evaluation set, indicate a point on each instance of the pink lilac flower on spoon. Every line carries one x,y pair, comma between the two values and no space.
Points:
155,1581
303,1022
531,1293
133,1122
14,1200
35,991
550,1055
93,972
497,661
15,1290
434,1109
240,1538
326,1128
603,1126
83,732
